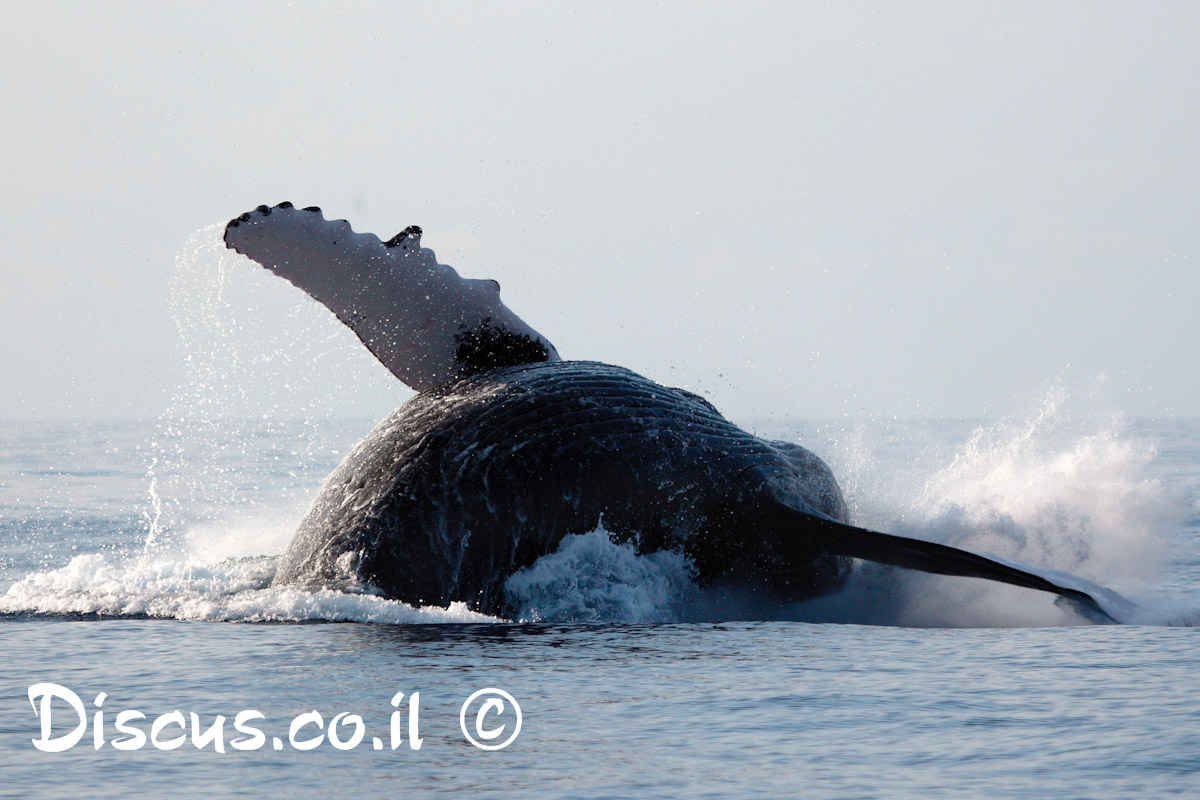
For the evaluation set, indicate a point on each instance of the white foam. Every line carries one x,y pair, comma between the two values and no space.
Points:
232,590
589,578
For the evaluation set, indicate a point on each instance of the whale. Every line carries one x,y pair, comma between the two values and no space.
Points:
507,448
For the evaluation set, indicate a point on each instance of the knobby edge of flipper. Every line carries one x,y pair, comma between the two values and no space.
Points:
1092,601
426,323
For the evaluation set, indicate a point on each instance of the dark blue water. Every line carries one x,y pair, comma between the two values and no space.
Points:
637,685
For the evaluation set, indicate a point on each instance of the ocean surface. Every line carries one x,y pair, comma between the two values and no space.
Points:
135,561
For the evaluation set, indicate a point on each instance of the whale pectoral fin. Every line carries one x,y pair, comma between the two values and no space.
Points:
421,319
1092,601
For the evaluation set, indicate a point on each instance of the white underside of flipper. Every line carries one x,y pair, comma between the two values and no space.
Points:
423,321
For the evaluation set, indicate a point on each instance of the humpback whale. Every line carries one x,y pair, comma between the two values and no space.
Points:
507,448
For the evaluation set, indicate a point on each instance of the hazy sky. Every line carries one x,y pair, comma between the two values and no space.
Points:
806,210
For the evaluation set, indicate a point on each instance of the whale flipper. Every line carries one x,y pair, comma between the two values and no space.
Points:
424,322
837,538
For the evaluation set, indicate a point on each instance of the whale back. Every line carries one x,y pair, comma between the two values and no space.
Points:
464,485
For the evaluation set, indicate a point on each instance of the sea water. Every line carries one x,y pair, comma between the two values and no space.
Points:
135,579
121,575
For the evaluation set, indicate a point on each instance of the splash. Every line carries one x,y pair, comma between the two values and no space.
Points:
1056,487
261,368
589,578
233,462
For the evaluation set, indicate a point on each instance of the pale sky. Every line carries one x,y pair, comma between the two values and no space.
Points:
810,210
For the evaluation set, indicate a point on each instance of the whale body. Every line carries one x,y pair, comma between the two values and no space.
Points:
464,485
507,449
